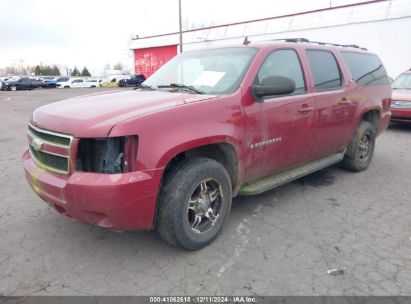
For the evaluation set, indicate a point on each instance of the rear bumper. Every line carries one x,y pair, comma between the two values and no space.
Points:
117,201
401,115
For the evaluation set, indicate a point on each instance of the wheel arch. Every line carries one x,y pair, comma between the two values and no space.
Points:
373,116
223,152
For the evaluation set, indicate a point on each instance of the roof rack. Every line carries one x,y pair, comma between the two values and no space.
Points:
305,40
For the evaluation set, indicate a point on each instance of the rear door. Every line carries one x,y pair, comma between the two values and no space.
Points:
335,111
280,129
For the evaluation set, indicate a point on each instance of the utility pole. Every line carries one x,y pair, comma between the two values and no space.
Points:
180,26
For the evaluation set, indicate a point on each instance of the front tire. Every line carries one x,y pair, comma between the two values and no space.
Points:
361,148
194,203
13,88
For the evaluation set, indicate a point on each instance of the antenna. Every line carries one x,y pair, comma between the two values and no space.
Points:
246,41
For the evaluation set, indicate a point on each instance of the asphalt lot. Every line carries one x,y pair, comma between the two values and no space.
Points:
278,243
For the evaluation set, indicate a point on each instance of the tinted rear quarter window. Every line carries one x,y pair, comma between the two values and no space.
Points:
366,69
325,70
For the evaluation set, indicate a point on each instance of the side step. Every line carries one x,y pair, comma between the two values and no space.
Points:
272,181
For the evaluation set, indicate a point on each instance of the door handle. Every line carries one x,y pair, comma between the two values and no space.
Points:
305,109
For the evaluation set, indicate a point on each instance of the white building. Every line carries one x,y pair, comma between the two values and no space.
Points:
382,26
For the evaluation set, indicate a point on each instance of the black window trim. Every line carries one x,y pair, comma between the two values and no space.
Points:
302,72
338,66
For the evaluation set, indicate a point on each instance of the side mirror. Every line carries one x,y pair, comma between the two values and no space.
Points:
273,85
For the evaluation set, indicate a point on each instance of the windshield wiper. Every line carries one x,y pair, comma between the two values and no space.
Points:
181,86
144,87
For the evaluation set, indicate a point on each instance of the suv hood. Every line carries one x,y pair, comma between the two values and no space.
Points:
94,115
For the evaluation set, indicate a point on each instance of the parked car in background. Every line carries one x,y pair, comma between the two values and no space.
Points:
8,78
92,83
401,98
134,81
242,120
52,83
72,83
3,79
62,79
80,83
23,83
113,81
48,83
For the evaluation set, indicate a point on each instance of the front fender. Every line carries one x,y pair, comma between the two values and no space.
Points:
165,134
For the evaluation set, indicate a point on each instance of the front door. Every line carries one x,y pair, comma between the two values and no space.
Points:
280,130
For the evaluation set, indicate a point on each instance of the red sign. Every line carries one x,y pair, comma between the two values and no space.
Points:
149,60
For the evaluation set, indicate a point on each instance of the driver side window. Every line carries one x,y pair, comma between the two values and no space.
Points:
283,63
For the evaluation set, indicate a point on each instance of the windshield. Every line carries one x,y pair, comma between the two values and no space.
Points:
216,71
402,82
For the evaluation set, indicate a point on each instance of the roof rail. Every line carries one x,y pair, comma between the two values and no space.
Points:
305,40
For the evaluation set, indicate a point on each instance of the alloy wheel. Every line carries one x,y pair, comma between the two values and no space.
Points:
205,205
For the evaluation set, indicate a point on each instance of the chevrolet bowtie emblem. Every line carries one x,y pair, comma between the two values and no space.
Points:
37,143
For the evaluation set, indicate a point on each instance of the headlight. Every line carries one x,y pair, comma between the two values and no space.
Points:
107,155
399,104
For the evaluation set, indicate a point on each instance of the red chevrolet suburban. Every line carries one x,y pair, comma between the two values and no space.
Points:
207,126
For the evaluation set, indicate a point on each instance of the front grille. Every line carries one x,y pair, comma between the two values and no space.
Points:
399,104
50,137
50,161
50,150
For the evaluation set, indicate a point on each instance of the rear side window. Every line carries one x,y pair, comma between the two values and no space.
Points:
325,70
366,69
283,63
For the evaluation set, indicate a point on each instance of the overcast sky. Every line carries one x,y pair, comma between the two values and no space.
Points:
95,32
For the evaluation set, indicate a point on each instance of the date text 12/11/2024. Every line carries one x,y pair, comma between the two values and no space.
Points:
203,299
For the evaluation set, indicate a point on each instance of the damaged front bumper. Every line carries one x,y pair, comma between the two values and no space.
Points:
124,201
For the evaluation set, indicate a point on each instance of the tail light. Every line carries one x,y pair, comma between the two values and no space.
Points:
386,103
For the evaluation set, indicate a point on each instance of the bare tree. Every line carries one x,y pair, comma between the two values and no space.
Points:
118,66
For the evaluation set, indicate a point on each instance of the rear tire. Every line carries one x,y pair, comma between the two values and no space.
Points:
194,203
360,149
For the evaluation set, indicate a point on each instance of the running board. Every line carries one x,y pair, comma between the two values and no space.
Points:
272,181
